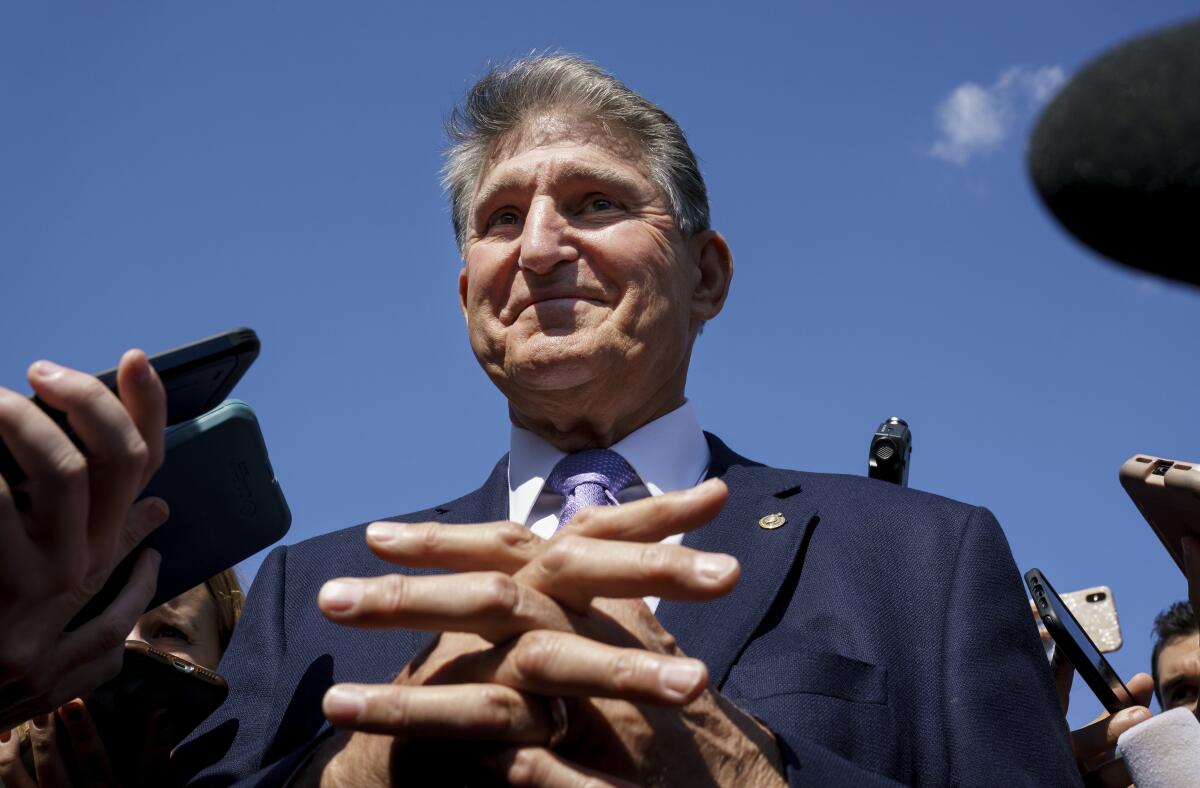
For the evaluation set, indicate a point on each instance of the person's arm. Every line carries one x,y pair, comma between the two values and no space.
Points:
68,525
1002,713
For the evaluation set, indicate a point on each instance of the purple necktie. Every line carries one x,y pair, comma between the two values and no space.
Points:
589,478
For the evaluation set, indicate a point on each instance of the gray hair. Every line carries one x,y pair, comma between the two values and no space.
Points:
510,96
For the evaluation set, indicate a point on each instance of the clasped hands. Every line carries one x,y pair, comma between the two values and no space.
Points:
526,622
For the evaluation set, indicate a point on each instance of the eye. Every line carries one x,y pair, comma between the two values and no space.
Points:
1181,695
504,217
168,632
598,203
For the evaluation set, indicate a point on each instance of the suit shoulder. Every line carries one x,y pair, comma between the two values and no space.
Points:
873,500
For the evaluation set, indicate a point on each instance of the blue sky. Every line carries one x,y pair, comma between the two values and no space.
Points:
168,171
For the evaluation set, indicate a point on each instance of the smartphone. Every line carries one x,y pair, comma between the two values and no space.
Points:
1079,648
225,501
1096,611
196,376
1167,493
151,679
123,707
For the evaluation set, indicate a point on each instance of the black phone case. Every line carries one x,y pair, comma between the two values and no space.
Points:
225,502
1042,591
151,680
196,376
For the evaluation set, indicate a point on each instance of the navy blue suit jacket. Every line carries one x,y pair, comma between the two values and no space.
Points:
882,633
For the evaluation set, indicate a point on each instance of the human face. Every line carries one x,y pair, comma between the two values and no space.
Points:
186,626
579,292
1179,673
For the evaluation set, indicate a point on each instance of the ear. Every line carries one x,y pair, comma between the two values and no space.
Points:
462,291
714,263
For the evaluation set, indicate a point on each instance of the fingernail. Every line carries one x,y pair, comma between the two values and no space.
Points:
158,511
343,702
715,566
41,721
680,678
75,710
382,533
1135,715
339,596
141,369
5,735
46,370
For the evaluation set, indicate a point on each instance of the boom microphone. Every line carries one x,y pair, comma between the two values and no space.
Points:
1116,155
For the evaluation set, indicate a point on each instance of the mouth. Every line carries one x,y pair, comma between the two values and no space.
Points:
547,300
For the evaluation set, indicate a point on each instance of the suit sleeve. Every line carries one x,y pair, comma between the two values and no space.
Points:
1003,716
237,744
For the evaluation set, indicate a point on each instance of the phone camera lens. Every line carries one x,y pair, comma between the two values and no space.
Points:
1099,596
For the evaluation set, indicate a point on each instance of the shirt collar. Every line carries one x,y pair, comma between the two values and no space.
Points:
669,453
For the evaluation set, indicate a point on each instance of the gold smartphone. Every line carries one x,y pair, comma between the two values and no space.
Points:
1096,611
1167,493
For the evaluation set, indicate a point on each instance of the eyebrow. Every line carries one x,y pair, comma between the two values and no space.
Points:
568,171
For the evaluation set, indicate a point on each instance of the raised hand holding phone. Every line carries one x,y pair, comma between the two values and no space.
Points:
71,521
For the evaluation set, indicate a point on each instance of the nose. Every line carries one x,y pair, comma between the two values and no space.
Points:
546,238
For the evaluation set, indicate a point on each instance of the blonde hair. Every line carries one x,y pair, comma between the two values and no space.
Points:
226,592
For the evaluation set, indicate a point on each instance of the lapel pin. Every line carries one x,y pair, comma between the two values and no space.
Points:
772,521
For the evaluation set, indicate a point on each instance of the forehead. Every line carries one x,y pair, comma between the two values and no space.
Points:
193,602
555,147
1180,655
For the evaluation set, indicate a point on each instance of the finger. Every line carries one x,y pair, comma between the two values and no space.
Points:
145,399
57,473
12,769
1098,739
156,749
1141,686
47,758
651,519
1112,774
502,547
489,604
142,518
562,663
117,454
1191,563
18,553
537,766
100,640
575,569
91,759
480,712
1064,676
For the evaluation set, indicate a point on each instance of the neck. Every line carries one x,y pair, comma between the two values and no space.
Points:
576,429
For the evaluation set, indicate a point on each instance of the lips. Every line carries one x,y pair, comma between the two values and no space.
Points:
514,310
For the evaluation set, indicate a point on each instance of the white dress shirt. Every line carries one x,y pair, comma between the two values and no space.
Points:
669,453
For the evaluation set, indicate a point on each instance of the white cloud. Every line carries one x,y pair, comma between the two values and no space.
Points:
974,120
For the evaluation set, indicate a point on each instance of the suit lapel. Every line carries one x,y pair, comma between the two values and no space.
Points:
487,504
717,631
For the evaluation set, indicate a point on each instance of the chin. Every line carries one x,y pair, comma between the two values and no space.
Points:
553,375
558,364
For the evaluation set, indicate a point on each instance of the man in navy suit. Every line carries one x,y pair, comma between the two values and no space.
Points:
631,601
